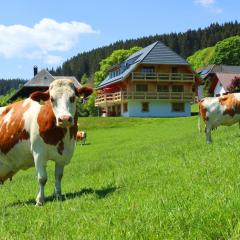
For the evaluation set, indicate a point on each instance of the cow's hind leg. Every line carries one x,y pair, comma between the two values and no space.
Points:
58,177
208,130
40,165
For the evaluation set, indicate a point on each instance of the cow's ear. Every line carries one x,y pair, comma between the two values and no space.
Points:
85,91
40,96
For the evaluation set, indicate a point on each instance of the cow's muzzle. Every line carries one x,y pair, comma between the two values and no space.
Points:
64,121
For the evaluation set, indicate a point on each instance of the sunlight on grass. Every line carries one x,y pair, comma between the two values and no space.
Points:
137,178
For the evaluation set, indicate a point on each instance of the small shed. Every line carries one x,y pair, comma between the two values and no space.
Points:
40,82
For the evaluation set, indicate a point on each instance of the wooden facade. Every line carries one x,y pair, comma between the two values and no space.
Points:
148,85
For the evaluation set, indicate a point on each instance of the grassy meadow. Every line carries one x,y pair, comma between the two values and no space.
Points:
137,178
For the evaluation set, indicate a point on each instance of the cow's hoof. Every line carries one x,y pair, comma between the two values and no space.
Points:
39,204
58,196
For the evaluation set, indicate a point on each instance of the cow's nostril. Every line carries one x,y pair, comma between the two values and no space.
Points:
65,119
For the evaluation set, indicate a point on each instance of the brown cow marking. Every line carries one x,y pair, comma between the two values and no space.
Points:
60,147
231,104
203,111
12,131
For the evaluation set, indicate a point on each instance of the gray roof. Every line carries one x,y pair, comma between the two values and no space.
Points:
218,69
44,78
156,53
161,54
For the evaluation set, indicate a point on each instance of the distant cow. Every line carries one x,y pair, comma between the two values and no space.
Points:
216,111
32,133
81,137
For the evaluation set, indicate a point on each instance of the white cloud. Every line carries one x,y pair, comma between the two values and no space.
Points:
205,3
217,10
41,41
210,4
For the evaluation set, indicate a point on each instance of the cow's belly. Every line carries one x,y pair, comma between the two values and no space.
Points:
216,120
228,120
19,157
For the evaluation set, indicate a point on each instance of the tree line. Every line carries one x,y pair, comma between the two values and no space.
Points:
7,85
185,44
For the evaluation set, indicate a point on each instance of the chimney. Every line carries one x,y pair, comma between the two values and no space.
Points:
35,70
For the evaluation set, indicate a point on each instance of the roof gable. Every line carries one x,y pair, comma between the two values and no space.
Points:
226,79
161,54
44,78
41,79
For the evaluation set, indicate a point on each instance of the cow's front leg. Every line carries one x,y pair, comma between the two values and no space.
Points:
40,165
58,177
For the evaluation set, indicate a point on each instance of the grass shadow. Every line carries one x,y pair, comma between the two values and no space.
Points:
100,193
86,144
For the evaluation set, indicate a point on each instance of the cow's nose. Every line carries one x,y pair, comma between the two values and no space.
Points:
65,118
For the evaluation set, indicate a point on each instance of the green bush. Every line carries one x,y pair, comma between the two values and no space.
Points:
224,52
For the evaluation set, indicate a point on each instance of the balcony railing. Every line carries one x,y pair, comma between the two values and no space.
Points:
111,98
172,77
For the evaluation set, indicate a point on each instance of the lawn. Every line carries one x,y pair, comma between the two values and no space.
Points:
137,178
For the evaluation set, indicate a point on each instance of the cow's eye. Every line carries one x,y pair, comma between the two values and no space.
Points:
72,99
52,99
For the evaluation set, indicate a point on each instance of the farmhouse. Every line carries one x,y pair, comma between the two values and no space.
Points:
40,82
220,77
153,82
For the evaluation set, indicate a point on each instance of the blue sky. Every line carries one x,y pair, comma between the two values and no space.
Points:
45,33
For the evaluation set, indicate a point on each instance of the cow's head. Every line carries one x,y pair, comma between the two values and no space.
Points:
62,95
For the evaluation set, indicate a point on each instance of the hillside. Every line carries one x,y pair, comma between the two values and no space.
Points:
184,44
6,85
168,184
224,52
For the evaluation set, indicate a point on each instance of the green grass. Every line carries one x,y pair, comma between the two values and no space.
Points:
136,179
194,108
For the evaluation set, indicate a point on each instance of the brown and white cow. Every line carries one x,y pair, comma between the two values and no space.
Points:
216,111
81,137
32,133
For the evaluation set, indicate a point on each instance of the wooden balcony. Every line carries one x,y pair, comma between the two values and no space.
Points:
122,96
168,77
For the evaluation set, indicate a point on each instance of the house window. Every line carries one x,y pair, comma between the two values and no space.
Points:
141,87
174,69
178,88
125,107
147,70
145,107
114,73
178,107
163,88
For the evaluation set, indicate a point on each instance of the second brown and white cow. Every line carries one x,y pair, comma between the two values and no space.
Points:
216,111
81,137
32,133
